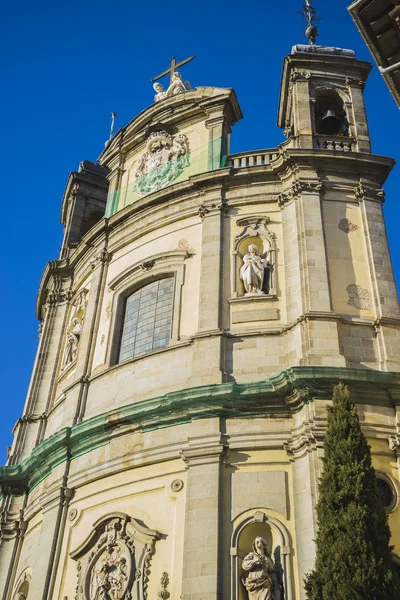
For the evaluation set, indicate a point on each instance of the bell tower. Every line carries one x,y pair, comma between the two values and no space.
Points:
322,101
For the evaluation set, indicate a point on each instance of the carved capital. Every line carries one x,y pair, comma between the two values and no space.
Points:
204,453
103,257
352,81
298,188
213,208
309,439
360,192
300,76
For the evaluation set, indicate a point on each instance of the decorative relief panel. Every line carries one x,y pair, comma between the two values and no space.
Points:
359,297
114,562
347,226
163,161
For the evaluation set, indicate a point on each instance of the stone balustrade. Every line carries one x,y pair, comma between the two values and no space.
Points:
251,159
344,144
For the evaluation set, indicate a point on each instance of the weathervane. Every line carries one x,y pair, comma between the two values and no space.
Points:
309,13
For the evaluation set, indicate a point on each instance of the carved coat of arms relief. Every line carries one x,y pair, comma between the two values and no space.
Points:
164,160
114,562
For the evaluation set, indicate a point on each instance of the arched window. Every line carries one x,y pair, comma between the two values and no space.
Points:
147,320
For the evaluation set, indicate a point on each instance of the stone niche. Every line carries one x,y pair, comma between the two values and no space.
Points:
278,544
254,305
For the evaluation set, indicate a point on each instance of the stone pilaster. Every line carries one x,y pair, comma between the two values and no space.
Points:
29,430
305,452
50,539
207,354
12,533
87,342
202,569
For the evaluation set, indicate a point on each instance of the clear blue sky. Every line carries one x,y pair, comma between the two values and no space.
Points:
67,65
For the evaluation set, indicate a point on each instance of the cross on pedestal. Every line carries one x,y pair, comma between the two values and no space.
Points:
174,66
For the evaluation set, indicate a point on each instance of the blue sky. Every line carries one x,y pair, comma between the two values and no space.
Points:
66,66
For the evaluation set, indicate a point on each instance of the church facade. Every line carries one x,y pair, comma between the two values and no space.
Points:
203,306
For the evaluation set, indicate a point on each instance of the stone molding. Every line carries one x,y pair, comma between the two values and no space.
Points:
135,271
289,161
282,394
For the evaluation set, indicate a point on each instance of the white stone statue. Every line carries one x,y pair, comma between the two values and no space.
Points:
253,272
161,94
71,346
259,578
177,86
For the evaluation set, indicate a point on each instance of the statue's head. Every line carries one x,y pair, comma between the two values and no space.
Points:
177,75
260,546
253,249
157,87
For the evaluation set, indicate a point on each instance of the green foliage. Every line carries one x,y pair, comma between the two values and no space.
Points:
353,541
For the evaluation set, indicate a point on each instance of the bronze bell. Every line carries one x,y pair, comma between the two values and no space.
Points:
330,123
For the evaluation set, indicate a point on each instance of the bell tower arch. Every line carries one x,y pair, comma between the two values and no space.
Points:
322,99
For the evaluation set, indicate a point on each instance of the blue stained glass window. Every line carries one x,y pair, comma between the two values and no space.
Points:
147,320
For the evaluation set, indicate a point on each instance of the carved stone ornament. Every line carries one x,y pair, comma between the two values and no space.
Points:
163,161
177,86
114,562
347,226
359,297
74,330
297,188
360,192
147,265
164,594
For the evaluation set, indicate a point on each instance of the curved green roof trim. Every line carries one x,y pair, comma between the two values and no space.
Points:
282,394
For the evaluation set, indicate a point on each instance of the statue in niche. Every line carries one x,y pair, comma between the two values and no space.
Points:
260,578
73,337
255,273
74,330
177,86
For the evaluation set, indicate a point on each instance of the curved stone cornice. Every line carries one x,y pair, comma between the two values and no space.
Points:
288,163
282,394
198,103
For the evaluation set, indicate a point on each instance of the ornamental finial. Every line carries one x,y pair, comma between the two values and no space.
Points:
309,13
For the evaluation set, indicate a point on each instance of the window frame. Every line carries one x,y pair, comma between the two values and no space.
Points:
155,267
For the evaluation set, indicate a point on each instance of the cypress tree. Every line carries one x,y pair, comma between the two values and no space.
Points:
353,559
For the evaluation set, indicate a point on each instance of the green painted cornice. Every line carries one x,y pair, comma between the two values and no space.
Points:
280,394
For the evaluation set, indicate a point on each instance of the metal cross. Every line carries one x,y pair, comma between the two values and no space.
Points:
171,70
